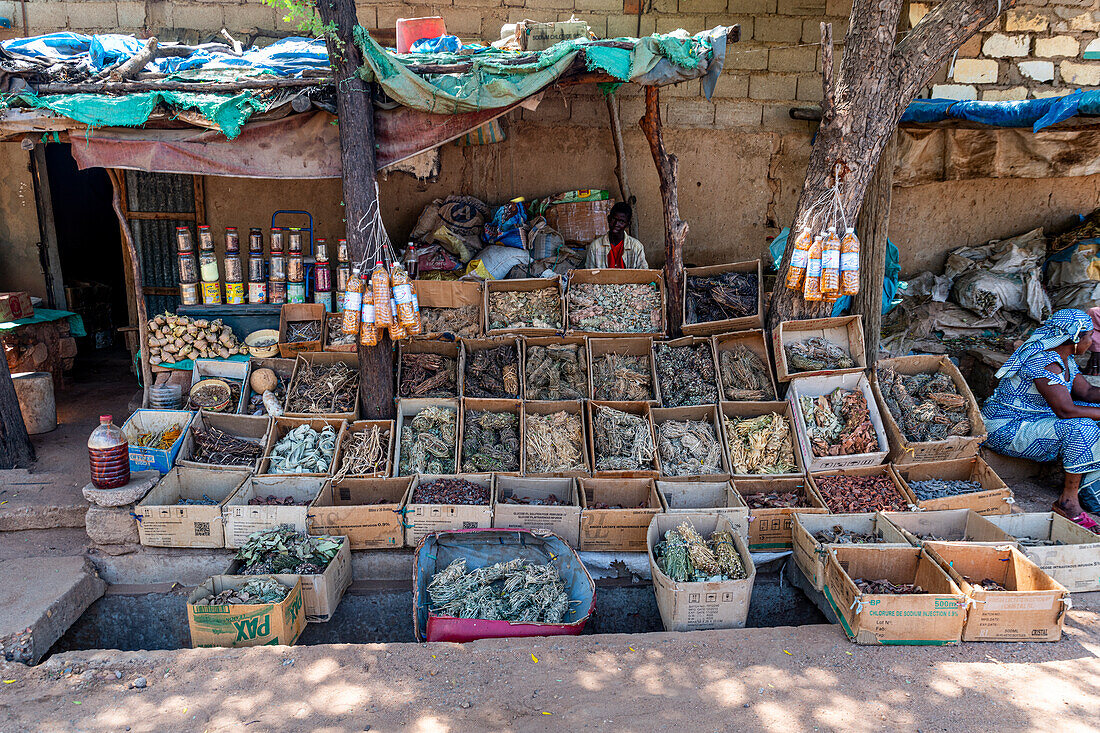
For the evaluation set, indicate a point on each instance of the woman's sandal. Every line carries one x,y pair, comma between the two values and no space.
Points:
1081,519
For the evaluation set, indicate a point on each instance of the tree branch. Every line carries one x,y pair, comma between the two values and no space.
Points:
828,100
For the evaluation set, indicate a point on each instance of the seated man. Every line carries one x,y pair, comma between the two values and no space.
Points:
617,249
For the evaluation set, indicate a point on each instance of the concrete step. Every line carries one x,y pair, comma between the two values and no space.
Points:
39,501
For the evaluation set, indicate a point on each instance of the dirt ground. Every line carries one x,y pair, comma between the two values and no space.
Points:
805,678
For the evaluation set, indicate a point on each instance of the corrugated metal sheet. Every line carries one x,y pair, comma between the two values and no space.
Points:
159,192
156,239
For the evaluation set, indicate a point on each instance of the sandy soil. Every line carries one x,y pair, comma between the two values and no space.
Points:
807,678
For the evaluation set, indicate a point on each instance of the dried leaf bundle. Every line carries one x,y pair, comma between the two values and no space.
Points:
492,372
622,378
525,309
623,441
554,442
689,448
760,445
686,374
684,556
428,375
614,308
816,354
926,407
428,442
490,442
720,297
460,322
556,372
745,376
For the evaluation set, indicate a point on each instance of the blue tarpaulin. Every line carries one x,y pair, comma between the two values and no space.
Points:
1033,113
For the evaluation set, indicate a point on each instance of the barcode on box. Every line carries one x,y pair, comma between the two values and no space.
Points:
202,529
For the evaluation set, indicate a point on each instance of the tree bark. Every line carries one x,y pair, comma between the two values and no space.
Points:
878,77
872,228
355,112
676,229
16,450
134,260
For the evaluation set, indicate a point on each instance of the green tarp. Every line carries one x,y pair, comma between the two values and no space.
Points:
44,315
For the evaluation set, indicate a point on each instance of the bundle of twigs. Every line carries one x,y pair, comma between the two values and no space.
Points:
321,389
219,448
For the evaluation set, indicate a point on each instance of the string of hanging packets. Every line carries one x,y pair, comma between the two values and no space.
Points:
383,299
825,266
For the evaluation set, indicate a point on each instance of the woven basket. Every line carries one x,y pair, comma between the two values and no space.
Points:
580,222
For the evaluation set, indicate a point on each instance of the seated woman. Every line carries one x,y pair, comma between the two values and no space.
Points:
1040,410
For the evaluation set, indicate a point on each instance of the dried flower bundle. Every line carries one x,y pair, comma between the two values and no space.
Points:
516,590
684,556
554,442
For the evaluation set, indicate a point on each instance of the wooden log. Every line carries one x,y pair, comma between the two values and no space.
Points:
119,87
872,228
135,63
355,111
676,229
16,450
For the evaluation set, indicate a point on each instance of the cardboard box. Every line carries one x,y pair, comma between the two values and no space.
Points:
525,285
449,349
386,428
321,592
294,312
242,518
700,413
692,606
770,529
253,429
707,328
284,370
677,343
261,624
756,342
15,306
450,294
994,498
844,331
934,617
627,346
616,277
151,421
549,408
811,555
902,450
471,404
564,521
884,471
327,357
616,530
705,497
407,409
1075,563
641,409
237,371
1032,608
534,36
472,346
163,522
729,411
948,525
368,511
334,328
818,386
280,426
423,519
582,362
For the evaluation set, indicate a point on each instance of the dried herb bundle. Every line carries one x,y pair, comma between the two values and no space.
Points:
554,442
459,322
628,308
285,550
221,449
745,376
556,372
428,442
815,354
365,453
525,309
689,448
334,334
885,587
623,441
428,375
760,445
774,500
686,374
322,389
490,442
256,591
622,378
925,406
858,494
840,424
840,536
516,590
304,450
450,491
684,556
720,297
492,372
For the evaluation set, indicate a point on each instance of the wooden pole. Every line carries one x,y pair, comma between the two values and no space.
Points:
872,228
47,228
355,112
676,229
134,260
16,450
620,158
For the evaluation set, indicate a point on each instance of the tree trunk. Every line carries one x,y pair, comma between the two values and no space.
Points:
878,77
16,450
872,229
355,113
676,230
